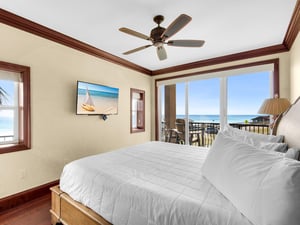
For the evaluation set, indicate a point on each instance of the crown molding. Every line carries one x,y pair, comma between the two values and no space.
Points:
224,59
293,28
21,23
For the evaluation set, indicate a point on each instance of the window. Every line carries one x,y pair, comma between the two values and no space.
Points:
208,101
14,107
137,107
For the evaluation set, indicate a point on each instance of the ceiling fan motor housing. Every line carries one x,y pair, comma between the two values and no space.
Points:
156,35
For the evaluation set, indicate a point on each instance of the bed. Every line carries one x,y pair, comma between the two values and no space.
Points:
165,183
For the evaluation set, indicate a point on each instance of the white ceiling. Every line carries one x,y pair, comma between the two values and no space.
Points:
227,26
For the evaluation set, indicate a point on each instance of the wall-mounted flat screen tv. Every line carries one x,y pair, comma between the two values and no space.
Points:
96,99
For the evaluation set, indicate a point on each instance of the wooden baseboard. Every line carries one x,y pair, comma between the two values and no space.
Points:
26,196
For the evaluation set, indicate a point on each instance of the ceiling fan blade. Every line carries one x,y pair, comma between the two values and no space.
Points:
136,49
176,25
134,33
186,43
161,53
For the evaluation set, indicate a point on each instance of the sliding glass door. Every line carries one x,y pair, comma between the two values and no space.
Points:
193,110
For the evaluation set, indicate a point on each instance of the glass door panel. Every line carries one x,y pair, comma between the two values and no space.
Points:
245,95
204,111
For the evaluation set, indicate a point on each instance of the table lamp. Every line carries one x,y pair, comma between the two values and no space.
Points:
274,106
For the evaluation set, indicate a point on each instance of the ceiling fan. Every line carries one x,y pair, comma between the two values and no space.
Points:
160,35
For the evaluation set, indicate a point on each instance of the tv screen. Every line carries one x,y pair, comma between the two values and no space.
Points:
96,99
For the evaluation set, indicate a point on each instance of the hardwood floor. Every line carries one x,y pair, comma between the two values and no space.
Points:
35,212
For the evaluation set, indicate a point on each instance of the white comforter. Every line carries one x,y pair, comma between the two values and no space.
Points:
149,184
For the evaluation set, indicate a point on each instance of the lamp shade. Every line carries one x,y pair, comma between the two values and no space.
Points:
274,106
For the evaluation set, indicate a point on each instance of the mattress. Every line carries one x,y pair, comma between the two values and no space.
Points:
155,183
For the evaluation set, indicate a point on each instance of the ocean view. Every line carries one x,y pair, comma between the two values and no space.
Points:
6,123
216,118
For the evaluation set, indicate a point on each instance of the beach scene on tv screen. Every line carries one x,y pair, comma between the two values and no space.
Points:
96,99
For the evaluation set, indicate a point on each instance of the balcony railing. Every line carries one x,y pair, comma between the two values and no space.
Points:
203,134
5,138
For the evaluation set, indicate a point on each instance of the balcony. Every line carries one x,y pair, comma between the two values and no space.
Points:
203,134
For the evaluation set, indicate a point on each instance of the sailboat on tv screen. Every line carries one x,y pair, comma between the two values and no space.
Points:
88,104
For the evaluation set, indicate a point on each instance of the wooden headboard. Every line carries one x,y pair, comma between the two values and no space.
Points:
288,125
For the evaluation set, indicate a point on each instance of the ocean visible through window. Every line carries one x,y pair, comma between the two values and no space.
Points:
216,118
210,103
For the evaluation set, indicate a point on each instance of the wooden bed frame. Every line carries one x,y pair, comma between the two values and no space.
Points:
64,210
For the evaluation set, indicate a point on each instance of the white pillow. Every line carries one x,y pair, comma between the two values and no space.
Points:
270,146
261,141
264,186
250,137
293,153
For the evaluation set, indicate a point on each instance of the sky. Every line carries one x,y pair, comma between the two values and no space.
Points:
246,93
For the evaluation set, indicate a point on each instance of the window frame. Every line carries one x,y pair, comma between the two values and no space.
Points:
171,80
141,127
25,125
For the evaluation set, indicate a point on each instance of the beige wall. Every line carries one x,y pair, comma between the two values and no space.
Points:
58,135
295,69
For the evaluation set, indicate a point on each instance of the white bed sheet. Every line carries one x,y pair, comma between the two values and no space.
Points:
155,183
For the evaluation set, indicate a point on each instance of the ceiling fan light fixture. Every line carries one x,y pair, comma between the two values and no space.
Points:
161,53
158,44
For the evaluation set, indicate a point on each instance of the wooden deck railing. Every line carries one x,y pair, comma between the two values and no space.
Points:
203,134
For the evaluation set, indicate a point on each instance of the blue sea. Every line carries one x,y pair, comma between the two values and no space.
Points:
99,93
6,123
216,118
